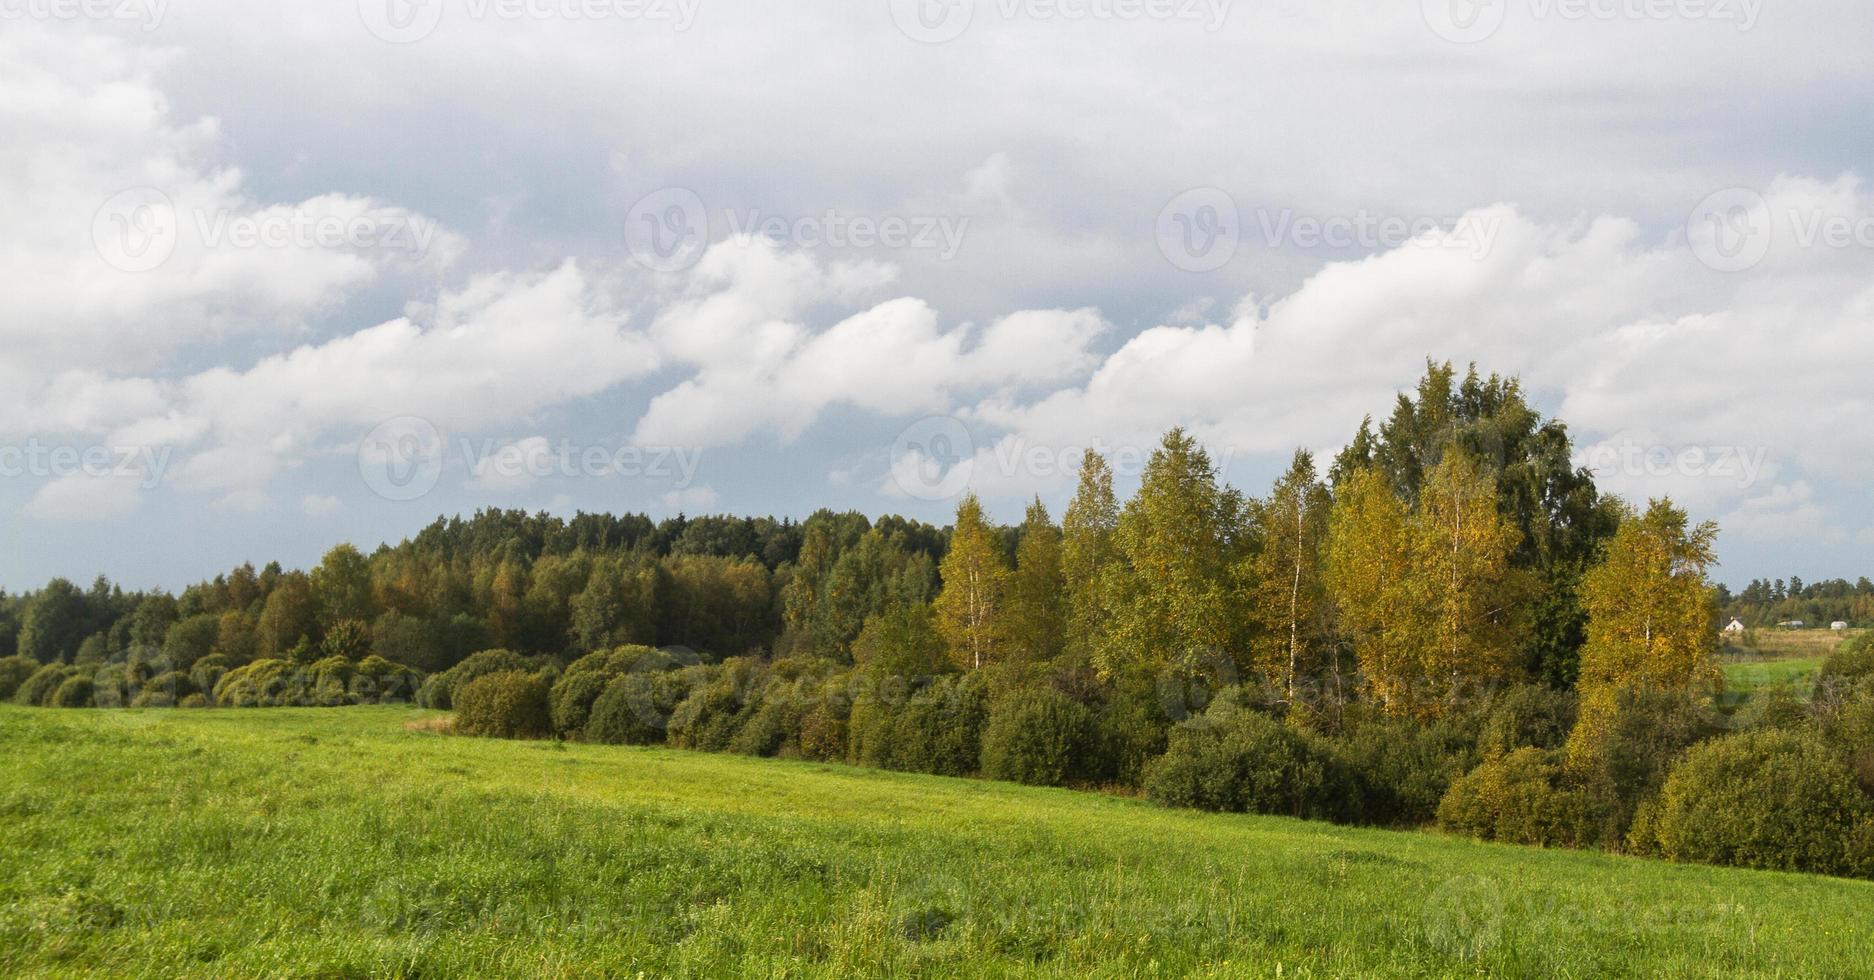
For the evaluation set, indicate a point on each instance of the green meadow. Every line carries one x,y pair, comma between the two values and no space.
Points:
355,842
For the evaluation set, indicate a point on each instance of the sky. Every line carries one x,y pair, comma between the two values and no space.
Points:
278,276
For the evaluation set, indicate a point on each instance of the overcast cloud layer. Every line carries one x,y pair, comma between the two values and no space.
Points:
274,279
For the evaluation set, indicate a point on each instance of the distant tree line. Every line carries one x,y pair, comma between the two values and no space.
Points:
1450,625
1814,604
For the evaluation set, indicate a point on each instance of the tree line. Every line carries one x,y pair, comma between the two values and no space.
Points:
1451,624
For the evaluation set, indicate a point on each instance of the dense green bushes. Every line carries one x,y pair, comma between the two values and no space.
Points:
439,689
1236,759
635,708
38,687
1765,799
1521,798
74,692
1039,737
1404,767
13,673
504,704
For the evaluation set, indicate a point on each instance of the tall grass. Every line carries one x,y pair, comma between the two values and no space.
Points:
342,842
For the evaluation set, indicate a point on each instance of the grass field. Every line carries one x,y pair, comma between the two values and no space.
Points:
338,843
1744,676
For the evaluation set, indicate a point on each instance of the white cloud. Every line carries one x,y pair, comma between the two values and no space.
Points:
320,505
892,359
87,498
693,500
512,467
98,279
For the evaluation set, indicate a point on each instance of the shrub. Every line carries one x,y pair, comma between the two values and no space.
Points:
439,690
712,712
380,681
164,690
1235,759
74,692
586,678
1647,731
939,728
635,708
869,732
109,689
1040,737
263,683
1851,663
1778,707
1526,716
207,672
1128,733
37,688
1765,799
1404,767
1521,798
13,673
504,704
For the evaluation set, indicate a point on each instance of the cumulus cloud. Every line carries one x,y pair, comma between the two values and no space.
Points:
128,239
320,505
894,358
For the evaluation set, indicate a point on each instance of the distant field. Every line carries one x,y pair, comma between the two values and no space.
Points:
1745,676
337,843
1775,644
1777,657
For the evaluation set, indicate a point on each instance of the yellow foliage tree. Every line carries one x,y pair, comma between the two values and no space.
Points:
1649,618
1429,596
975,584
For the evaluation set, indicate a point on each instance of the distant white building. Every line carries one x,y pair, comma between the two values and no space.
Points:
1791,624
1734,626
1838,626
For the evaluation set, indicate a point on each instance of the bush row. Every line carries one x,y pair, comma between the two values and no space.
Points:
208,682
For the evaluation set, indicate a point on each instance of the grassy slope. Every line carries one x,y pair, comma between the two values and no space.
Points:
335,843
